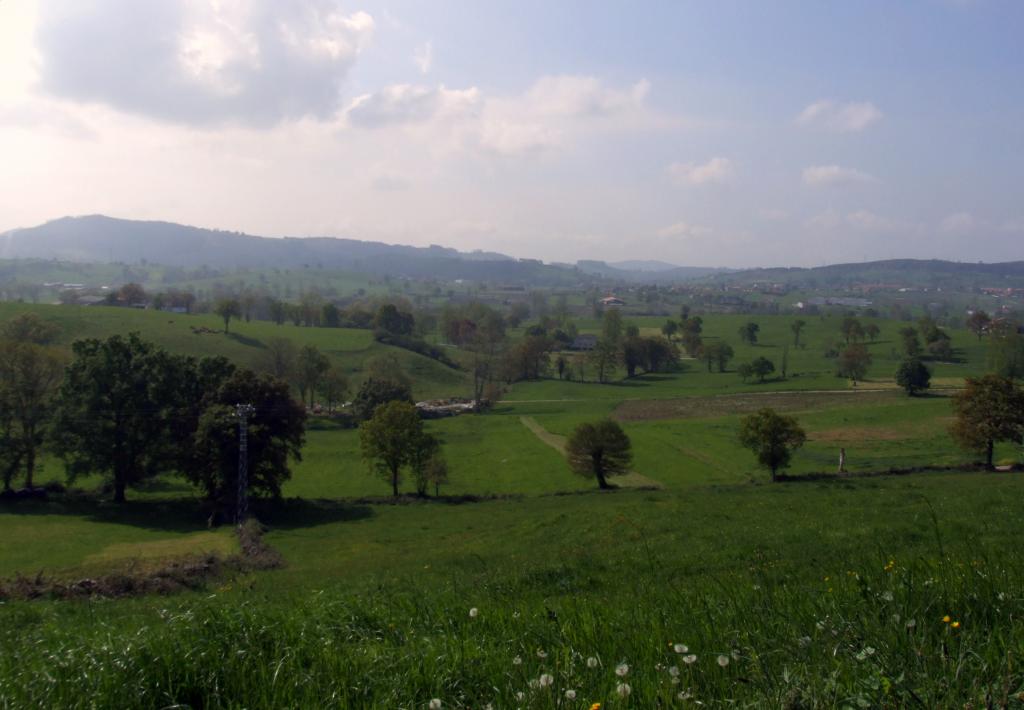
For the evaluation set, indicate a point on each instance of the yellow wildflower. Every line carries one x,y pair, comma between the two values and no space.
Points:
955,624
946,619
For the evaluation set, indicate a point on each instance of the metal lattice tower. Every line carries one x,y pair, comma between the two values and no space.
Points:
243,412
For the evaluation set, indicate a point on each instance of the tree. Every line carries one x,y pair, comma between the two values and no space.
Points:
227,308
797,326
373,393
385,438
716,353
279,358
604,357
276,433
745,371
748,333
670,329
330,316
599,450
692,343
772,437
988,410
1006,352
333,387
872,331
437,472
913,376
422,450
911,343
978,323
633,354
854,362
851,329
111,411
761,367
940,349
393,321
29,328
29,376
311,366
612,327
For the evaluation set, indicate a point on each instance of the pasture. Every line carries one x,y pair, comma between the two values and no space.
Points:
829,591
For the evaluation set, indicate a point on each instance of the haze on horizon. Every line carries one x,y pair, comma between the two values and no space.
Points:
708,134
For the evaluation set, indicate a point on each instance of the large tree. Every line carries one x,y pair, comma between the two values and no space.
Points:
276,433
311,365
913,376
797,327
854,362
851,329
111,411
333,388
748,333
228,308
772,437
978,323
988,410
388,439
373,393
279,358
599,450
29,376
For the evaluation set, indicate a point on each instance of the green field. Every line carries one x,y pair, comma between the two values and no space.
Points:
821,592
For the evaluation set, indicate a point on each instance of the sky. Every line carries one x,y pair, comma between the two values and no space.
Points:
718,133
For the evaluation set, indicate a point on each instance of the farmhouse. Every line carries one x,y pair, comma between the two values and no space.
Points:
612,301
584,342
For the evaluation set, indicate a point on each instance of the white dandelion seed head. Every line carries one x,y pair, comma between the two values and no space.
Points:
680,648
435,704
690,659
673,671
887,596
517,661
870,651
621,670
570,694
520,695
541,653
723,661
546,680
591,662
534,683
623,690
684,695
473,613
911,623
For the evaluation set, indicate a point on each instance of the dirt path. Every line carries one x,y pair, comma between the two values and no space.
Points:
557,442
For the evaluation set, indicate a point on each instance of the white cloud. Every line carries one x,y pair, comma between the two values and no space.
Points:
202,62
684,230
716,170
424,58
958,223
834,176
831,115
405,103
775,215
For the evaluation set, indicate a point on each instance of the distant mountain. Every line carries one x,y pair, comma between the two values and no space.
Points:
669,273
100,239
640,265
910,273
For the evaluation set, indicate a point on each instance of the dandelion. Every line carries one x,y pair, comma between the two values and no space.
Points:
541,653
546,680
520,695
595,706
517,661
684,695
680,648
623,690
674,671
946,619
869,651
435,704
911,623
887,596
473,613
591,662
621,670
723,661
570,694
955,624
690,659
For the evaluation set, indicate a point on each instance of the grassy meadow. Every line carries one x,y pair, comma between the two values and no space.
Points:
705,584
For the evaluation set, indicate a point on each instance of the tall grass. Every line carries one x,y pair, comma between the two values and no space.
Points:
878,632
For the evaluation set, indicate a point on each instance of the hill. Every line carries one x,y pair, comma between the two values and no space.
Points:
949,275
101,239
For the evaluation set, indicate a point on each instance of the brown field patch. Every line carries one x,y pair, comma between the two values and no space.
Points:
725,405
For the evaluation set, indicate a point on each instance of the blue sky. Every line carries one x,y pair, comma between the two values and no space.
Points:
712,133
